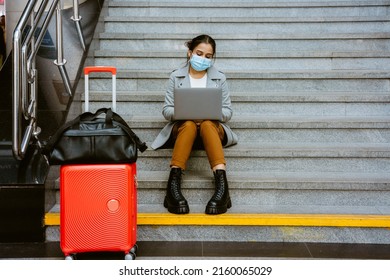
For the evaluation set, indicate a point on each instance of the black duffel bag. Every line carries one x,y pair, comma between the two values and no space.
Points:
90,139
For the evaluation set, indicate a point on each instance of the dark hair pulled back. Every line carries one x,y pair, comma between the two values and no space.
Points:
192,44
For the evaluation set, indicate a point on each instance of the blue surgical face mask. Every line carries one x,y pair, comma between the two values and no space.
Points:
199,63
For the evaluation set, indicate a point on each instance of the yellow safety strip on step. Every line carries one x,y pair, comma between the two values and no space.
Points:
198,219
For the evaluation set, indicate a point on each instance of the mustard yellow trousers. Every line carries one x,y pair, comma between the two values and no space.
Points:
185,134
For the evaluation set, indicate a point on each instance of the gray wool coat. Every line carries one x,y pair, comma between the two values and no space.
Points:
180,79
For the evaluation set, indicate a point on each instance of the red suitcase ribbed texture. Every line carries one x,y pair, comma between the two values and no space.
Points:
98,207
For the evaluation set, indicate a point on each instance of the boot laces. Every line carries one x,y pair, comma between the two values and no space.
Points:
220,189
175,187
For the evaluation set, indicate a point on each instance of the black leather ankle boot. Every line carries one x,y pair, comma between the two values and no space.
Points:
220,201
174,200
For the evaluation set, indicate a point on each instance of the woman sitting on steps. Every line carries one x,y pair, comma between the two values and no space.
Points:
198,72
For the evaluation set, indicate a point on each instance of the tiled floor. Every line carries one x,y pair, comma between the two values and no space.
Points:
205,250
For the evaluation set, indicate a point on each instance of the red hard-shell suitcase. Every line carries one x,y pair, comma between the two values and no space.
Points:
98,208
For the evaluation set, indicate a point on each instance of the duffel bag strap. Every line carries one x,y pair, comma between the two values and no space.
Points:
90,117
141,146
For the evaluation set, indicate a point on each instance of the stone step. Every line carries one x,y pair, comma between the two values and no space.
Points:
263,108
262,42
247,9
291,97
210,25
230,61
315,135
279,192
279,81
257,157
287,129
286,122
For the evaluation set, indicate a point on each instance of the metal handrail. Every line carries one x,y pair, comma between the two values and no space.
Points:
77,18
25,79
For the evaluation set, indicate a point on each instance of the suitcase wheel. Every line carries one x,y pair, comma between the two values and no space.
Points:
134,249
130,256
69,258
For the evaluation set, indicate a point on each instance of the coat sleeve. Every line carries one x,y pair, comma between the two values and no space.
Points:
168,108
227,111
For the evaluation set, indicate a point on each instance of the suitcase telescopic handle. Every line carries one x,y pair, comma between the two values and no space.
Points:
90,69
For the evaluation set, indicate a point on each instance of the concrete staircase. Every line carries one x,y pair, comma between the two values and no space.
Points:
310,88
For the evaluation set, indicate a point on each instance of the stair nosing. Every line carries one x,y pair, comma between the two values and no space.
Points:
256,36
237,4
247,54
261,74
211,20
253,219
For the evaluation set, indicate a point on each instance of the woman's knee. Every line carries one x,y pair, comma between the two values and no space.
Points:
211,128
207,126
188,127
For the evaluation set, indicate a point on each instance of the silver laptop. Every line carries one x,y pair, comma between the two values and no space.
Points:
198,104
